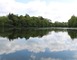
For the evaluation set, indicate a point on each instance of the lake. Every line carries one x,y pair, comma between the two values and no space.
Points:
38,44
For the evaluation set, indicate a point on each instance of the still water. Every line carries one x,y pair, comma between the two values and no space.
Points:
38,44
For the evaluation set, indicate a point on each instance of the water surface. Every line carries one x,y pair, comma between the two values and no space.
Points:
38,44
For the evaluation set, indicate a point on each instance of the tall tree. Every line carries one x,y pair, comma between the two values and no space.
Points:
72,22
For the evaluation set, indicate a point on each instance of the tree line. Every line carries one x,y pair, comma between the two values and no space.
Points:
12,20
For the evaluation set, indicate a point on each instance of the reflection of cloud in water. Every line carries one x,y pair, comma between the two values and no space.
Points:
49,59
55,41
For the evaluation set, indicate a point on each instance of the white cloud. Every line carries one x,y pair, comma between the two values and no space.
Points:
54,10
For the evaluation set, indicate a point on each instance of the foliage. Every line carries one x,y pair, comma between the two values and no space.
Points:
60,24
12,20
72,22
27,21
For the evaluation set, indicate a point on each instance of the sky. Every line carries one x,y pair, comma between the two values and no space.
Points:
56,10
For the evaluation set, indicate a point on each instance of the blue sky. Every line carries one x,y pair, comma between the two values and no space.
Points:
56,10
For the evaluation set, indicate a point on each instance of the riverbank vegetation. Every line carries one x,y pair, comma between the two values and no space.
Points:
72,22
12,20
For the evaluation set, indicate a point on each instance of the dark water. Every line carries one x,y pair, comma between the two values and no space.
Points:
38,44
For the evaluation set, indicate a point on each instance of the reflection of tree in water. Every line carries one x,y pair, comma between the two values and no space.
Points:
72,33
22,33
13,33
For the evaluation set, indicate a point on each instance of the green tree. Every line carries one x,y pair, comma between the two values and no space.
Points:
24,21
72,22
14,19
